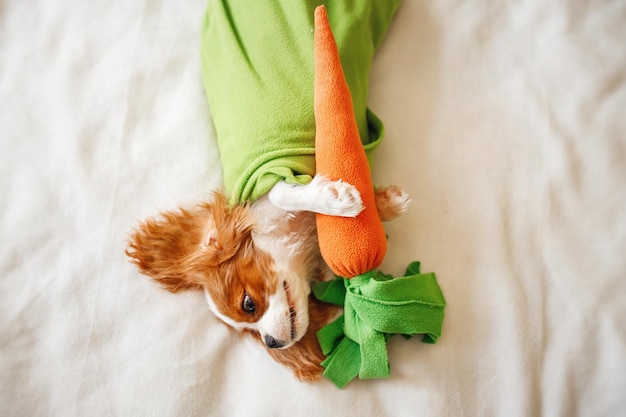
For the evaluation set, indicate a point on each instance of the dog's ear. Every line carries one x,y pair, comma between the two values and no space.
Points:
226,232
169,247
181,249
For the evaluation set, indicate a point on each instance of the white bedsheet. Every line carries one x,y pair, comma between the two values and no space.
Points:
506,122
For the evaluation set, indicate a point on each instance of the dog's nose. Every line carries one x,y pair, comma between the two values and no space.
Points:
272,343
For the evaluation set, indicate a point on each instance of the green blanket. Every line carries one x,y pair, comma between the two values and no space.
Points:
257,62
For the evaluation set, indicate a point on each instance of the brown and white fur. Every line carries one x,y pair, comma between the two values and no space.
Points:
255,262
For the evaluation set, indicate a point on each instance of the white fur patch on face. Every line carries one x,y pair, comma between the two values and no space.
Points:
277,320
288,312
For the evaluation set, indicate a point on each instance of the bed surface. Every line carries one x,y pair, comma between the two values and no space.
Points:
505,121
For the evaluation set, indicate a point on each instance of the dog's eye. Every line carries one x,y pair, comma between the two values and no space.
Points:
248,305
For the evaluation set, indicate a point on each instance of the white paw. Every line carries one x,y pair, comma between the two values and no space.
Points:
392,202
338,198
321,195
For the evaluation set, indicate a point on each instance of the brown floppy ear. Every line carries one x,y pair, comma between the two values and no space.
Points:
167,248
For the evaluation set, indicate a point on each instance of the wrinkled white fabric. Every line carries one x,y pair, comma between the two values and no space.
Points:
504,121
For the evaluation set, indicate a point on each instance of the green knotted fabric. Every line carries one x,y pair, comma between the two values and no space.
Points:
376,306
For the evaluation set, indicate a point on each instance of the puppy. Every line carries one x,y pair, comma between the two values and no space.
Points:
253,248
256,262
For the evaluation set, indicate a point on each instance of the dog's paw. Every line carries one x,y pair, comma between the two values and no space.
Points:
391,202
321,195
340,198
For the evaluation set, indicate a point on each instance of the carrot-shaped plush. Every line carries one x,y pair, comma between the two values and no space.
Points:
375,306
340,155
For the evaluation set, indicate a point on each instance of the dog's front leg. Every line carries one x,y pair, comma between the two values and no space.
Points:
321,195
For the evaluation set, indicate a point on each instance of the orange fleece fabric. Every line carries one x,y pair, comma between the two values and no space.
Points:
350,246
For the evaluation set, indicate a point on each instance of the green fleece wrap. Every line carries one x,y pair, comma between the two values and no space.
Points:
257,61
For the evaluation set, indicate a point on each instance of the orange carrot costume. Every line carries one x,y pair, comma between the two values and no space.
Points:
375,306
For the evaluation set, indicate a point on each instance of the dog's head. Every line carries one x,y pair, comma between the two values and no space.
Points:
253,279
